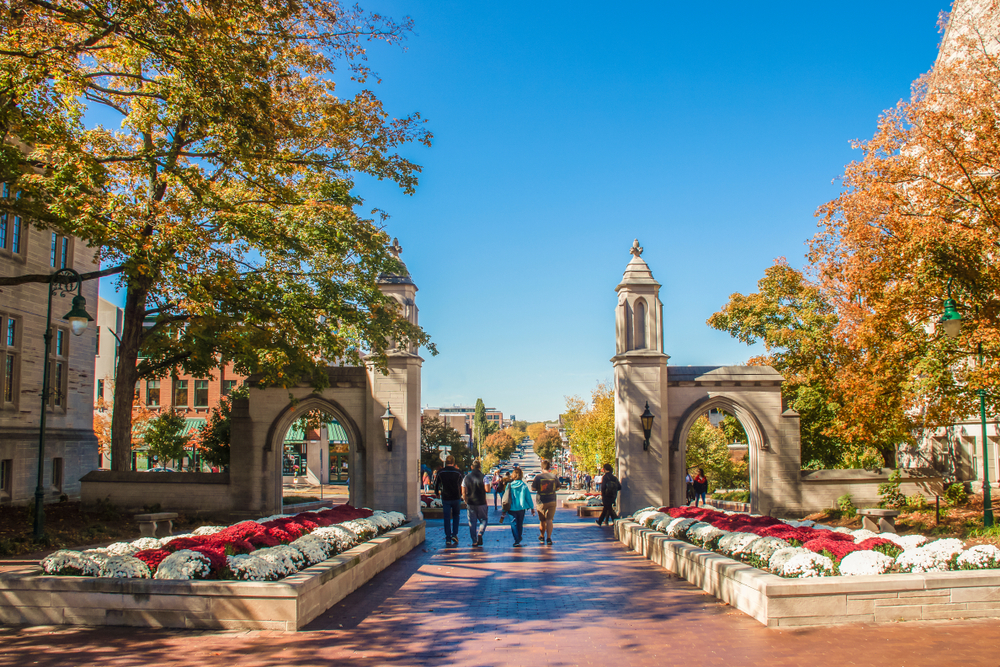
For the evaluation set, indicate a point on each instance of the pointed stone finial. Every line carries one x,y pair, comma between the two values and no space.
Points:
636,248
395,249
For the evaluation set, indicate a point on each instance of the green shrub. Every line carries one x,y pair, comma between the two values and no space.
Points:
846,506
917,502
890,550
892,497
956,494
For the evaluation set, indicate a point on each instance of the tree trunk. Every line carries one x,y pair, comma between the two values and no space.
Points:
889,456
126,377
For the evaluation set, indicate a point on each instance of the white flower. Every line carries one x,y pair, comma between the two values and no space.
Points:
283,558
946,547
144,543
265,519
251,568
183,564
594,501
862,535
933,557
574,497
208,530
734,543
906,541
637,513
678,527
364,528
690,530
705,534
979,557
650,518
804,565
313,549
67,562
782,556
860,563
842,529
338,537
764,548
125,567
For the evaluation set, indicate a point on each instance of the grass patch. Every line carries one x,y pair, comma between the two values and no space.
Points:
295,500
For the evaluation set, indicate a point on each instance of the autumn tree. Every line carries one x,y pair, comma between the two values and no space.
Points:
535,430
497,447
548,444
592,440
221,190
707,448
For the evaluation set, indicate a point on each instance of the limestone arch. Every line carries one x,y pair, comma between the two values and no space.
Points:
274,443
756,436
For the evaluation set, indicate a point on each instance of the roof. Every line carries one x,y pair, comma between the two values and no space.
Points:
723,374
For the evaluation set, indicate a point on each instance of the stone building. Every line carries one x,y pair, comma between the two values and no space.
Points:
70,446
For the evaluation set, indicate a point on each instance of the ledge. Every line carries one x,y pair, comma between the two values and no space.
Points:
30,598
778,602
114,476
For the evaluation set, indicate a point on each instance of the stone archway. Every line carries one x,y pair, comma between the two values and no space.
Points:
756,436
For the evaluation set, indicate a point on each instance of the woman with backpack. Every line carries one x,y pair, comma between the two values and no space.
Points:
498,486
516,501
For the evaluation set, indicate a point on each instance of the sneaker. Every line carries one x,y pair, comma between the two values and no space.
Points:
598,522
549,542
517,544
479,542
541,538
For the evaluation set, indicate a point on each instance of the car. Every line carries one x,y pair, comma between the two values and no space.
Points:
161,470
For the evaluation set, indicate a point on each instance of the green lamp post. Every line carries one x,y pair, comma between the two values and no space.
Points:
951,321
62,282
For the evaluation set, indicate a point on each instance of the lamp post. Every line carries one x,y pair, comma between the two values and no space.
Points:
62,282
388,420
647,425
951,320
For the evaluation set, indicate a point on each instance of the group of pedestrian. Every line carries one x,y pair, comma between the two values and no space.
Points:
515,499
697,487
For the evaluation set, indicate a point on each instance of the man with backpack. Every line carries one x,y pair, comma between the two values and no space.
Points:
610,486
448,487
545,486
474,494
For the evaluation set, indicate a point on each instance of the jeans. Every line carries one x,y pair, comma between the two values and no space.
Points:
517,524
478,514
608,513
496,494
451,512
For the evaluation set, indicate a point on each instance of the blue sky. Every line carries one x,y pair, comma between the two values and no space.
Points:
563,130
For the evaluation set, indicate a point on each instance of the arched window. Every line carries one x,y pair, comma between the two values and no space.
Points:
640,325
628,327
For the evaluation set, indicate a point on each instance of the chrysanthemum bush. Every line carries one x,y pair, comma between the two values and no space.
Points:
263,550
806,549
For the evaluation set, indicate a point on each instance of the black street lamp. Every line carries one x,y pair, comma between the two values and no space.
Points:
388,420
63,282
647,425
951,321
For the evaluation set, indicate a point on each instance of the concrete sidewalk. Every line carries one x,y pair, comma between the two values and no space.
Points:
584,600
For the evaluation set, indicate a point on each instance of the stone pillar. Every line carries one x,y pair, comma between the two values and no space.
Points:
640,378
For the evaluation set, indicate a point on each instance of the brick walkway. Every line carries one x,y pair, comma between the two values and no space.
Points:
583,601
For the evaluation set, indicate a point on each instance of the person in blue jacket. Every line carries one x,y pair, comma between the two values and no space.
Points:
517,501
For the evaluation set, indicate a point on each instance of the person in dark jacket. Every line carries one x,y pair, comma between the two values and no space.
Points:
448,487
700,487
609,493
474,493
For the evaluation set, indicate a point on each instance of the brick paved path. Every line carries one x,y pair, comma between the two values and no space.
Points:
583,601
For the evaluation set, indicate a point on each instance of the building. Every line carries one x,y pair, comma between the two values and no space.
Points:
460,418
70,445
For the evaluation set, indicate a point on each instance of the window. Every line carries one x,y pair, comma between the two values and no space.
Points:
138,392
57,368
153,393
6,476
57,474
10,226
59,251
100,390
97,342
201,393
181,392
640,325
228,386
10,344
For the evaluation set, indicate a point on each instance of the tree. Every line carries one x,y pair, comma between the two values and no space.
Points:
480,427
223,196
707,448
214,438
535,430
497,447
437,435
592,440
548,444
164,437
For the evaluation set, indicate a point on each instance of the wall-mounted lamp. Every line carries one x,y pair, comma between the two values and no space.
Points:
647,425
388,420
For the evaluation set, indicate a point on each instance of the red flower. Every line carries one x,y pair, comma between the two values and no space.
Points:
241,531
263,540
179,543
216,557
839,548
152,557
872,542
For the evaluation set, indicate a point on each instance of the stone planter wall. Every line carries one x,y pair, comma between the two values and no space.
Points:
779,602
29,598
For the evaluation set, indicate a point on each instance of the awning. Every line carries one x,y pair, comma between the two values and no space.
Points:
336,432
191,425
295,433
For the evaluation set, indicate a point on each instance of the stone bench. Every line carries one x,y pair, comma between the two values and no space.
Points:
878,520
160,524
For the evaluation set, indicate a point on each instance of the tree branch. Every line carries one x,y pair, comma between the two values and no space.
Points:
46,277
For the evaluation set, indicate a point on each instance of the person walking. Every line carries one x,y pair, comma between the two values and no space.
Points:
448,487
499,484
700,487
610,486
474,494
587,480
545,486
689,484
517,501
427,481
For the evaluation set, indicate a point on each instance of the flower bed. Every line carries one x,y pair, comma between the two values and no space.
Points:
429,501
799,549
263,550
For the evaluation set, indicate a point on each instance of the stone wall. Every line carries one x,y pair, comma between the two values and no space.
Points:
173,491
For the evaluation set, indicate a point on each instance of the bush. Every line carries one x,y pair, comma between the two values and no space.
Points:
892,497
741,496
846,506
917,502
956,494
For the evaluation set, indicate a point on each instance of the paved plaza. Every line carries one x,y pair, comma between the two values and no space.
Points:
583,601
